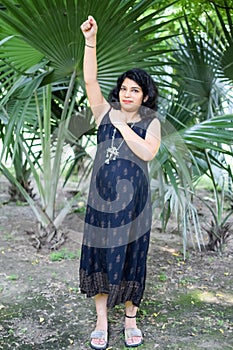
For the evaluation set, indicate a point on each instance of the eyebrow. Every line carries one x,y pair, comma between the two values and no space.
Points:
132,87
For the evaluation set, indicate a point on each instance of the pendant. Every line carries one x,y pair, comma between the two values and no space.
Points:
111,154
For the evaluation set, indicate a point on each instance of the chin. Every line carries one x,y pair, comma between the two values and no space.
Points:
129,107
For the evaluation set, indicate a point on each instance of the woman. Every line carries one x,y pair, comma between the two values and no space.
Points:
118,215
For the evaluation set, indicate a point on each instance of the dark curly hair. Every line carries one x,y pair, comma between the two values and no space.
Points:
145,81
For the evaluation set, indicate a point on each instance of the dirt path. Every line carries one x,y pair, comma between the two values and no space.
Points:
187,305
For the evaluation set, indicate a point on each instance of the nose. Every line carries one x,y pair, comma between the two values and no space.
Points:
127,93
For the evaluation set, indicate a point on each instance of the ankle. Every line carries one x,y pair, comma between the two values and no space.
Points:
130,321
130,310
101,323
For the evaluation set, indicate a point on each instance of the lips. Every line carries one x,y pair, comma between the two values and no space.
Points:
126,101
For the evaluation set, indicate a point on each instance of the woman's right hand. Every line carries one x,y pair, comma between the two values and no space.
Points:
89,28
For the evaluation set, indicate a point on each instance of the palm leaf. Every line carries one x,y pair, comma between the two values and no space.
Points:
198,70
53,29
211,134
224,32
39,213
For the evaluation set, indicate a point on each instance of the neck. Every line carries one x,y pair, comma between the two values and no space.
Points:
132,116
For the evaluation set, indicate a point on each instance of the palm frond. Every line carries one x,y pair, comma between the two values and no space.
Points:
211,134
52,28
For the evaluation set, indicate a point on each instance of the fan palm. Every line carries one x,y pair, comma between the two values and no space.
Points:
41,45
199,92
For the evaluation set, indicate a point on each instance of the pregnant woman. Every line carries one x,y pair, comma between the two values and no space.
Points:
118,214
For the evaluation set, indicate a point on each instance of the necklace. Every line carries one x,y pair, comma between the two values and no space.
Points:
113,152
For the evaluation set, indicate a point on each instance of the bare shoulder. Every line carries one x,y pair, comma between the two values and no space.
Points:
99,111
154,129
154,125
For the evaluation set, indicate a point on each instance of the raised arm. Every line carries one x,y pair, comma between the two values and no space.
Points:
98,104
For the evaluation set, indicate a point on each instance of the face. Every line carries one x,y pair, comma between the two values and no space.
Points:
130,95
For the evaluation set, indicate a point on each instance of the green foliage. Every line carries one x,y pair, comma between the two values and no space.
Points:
193,114
29,105
13,277
42,91
64,254
162,277
190,299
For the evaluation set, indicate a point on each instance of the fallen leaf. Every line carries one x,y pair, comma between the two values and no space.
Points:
176,254
219,295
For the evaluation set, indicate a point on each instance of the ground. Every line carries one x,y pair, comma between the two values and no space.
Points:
187,304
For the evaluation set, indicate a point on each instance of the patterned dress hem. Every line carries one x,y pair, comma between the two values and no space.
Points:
117,294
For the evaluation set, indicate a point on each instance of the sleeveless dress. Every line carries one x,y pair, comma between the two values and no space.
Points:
117,222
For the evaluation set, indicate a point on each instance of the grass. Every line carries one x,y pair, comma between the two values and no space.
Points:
186,313
13,277
64,254
183,317
162,277
8,237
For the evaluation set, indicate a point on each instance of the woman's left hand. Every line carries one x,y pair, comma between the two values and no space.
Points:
117,117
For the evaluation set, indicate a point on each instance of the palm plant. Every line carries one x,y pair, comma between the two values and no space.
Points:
41,67
218,229
192,128
42,47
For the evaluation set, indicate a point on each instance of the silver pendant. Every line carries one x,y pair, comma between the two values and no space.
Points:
111,154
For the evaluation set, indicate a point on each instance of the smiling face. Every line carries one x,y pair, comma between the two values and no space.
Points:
130,95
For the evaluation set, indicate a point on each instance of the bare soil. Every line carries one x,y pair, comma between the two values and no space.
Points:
187,304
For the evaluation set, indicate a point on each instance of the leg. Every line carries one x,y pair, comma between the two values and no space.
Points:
133,336
99,336
131,311
101,310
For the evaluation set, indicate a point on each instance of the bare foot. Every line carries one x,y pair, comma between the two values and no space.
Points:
99,339
132,333
99,336
133,337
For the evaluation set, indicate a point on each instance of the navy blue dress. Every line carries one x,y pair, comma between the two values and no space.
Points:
117,222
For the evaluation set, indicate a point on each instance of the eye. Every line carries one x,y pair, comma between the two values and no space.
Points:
122,88
135,90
